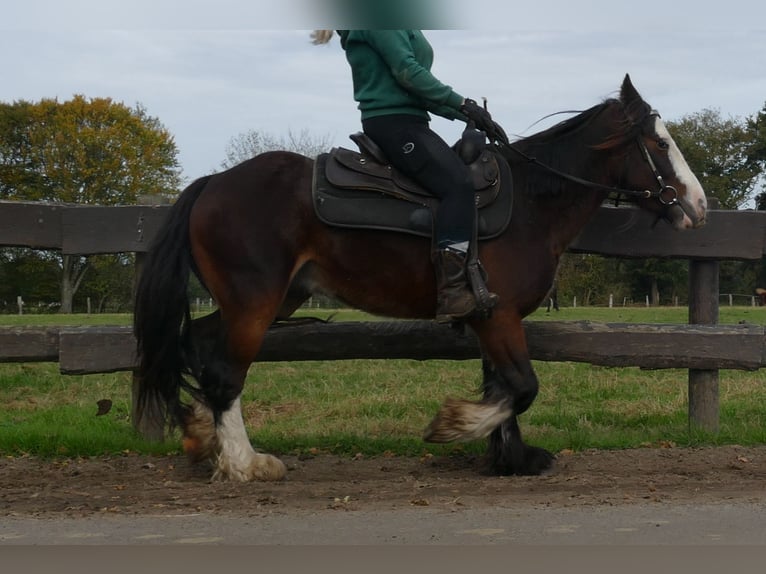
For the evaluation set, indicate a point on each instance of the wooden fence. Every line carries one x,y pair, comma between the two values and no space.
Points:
702,346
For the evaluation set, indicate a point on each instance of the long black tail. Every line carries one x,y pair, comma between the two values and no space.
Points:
162,315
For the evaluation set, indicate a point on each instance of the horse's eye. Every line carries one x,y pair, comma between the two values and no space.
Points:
663,144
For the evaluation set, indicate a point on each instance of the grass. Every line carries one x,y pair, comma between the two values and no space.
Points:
375,406
728,315
65,320
43,412
378,406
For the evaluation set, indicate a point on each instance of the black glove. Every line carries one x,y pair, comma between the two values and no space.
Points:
481,118
483,121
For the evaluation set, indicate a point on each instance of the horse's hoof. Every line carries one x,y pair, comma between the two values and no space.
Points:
262,467
268,468
536,461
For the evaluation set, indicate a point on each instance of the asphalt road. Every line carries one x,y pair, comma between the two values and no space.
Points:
738,523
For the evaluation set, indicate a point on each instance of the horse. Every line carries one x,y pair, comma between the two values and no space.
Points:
252,237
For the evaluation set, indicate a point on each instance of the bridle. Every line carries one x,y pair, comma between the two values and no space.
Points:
660,194
666,195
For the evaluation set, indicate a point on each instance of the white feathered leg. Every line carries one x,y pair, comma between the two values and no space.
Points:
228,447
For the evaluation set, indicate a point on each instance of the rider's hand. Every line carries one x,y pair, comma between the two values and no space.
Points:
483,121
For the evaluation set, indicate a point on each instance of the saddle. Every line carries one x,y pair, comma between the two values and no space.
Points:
362,190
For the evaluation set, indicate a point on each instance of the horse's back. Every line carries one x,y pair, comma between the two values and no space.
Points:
268,190
269,172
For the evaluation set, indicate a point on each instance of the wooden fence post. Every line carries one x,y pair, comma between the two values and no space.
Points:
704,287
703,310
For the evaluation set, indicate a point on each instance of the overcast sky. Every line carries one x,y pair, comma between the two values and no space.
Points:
212,70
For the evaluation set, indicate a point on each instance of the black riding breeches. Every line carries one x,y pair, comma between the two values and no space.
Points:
414,149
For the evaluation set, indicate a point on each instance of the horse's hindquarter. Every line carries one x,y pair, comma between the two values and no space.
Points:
249,227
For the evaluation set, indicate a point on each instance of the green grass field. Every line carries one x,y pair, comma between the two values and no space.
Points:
374,406
728,315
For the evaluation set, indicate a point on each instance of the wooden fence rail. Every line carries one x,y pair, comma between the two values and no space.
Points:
87,350
703,347
623,232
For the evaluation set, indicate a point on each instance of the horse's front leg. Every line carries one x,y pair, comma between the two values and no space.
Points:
510,387
507,453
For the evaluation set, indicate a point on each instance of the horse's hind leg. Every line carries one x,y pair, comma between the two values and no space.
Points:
214,429
226,446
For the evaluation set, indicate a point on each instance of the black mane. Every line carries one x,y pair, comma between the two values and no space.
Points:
558,146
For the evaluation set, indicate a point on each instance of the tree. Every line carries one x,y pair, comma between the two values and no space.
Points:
29,273
663,280
110,282
590,278
92,151
757,126
720,152
253,142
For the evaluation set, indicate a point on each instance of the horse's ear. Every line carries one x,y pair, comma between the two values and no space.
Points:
630,97
628,93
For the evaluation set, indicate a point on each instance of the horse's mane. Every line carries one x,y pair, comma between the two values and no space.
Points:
557,146
566,127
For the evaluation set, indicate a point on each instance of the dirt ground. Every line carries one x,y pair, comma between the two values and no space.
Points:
134,484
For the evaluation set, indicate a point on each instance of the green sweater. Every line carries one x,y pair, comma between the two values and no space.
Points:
391,72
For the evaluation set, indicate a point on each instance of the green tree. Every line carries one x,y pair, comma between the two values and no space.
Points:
110,282
757,127
589,278
720,152
32,274
91,151
662,280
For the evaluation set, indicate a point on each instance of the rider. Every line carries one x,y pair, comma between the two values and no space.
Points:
396,90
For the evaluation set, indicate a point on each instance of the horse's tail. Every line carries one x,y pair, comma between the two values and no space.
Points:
162,315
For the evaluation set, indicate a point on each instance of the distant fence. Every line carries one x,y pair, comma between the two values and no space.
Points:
702,346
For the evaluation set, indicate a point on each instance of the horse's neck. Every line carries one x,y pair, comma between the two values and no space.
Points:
568,218
563,206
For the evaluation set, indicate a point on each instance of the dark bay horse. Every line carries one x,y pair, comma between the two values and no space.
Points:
252,237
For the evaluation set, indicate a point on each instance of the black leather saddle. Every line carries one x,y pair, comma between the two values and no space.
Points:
362,190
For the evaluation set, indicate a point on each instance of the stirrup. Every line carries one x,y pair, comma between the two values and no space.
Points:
485,300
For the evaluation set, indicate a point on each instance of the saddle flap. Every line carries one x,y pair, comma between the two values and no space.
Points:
350,169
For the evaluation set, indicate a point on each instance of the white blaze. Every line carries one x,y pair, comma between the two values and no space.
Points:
693,200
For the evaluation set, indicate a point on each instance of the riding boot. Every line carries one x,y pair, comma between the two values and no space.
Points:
454,300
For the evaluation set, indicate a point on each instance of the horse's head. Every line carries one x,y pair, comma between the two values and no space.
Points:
655,163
